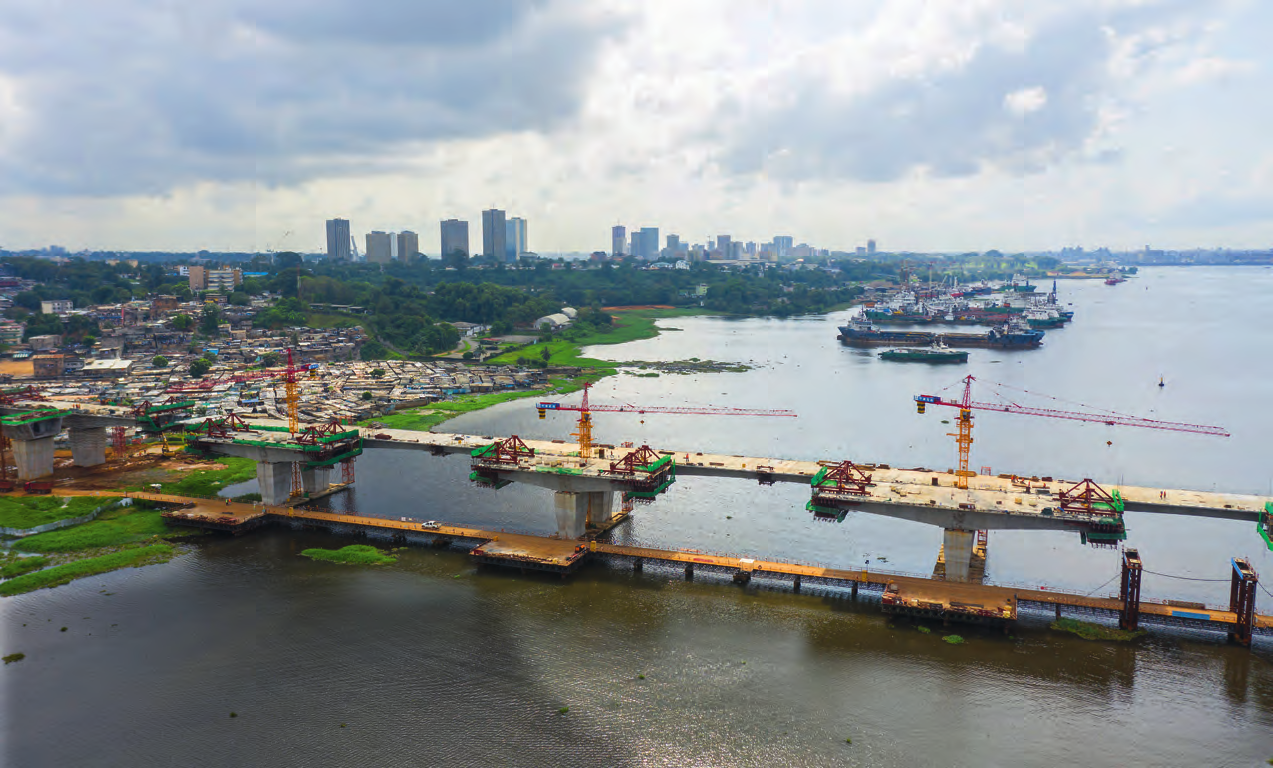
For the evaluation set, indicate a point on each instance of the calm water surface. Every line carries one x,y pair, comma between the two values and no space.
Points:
431,662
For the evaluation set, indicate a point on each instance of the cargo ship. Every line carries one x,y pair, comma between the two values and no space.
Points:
933,354
1014,334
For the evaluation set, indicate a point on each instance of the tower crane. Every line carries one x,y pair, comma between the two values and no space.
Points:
585,410
966,405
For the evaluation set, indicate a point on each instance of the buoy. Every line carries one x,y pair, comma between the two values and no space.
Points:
1161,383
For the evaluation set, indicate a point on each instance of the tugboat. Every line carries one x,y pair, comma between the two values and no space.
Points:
938,353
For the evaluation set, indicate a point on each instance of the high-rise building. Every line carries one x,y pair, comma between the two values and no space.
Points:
618,240
649,244
870,247
725,244
408,246
338,239
455,237
783,244
673,244
494,234
515,238
379,247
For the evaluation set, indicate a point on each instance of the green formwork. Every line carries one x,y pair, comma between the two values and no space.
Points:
30,417
1265,526
489,483
671,478
839,513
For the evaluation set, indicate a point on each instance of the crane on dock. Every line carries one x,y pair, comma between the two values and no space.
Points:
585,410
966,405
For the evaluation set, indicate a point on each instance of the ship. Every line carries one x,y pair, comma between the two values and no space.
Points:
933,354
1014,334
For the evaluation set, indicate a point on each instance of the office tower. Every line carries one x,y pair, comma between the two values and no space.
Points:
618,240
649,243
408,246
870,247
724,244
379,247
338,239
515,238
673,244
783,244
455,237
494,234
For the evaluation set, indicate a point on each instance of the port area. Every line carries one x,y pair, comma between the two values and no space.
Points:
901,594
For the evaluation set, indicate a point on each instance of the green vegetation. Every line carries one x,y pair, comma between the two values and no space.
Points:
924,630
16,566
354,554
159,361
628,325
1090,631
113,528
563,710
200,367
20,656
953,639
424,419
63,574
207,482
24,512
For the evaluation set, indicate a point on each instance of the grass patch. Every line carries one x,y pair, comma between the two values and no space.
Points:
925,630
629,325
1089,631
113,528
63,574
20,565
954,639
30,511
20,656
207,482
326,320
354,554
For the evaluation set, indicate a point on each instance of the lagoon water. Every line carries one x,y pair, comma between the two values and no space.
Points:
432,662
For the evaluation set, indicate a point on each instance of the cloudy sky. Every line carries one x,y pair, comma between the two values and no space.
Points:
927,125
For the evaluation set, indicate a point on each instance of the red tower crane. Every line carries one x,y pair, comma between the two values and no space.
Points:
966,405
585,410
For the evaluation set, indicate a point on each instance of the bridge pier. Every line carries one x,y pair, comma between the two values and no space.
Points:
88,446
957,546
316,480
34,458
578,510
275,481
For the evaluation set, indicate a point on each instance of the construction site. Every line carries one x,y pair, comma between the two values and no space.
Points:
597,486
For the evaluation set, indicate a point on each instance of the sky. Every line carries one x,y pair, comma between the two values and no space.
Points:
238,125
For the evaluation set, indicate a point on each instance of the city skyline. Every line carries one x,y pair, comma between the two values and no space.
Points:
929,127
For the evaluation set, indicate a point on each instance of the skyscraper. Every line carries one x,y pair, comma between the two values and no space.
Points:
515,235
455,237
870,247
783,244
338,239
649,244
494,234
379,247
618,240
724,244
673,244
408,246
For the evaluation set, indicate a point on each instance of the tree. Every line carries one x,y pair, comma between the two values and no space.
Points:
159,361
209,319
271,359
546,354
367,395
377,372
468,354
374,350
182,323
239,299
200,367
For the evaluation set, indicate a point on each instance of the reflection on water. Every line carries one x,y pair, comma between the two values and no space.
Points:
433,662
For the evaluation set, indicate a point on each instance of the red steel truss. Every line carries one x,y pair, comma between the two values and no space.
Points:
1084,497
634,460
509,451
846,477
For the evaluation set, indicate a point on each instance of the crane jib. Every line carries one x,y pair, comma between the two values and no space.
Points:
550,406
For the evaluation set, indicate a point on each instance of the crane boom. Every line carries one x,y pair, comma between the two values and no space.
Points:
642,409
966,405
1110,420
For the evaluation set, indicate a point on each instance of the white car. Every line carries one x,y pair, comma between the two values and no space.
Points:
431,525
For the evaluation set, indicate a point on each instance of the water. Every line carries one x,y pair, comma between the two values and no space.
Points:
432,662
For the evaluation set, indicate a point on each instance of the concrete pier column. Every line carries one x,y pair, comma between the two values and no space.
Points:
600,507
795,585
958,548
88,446
275,479
689,571
34,458
316,480
572,513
